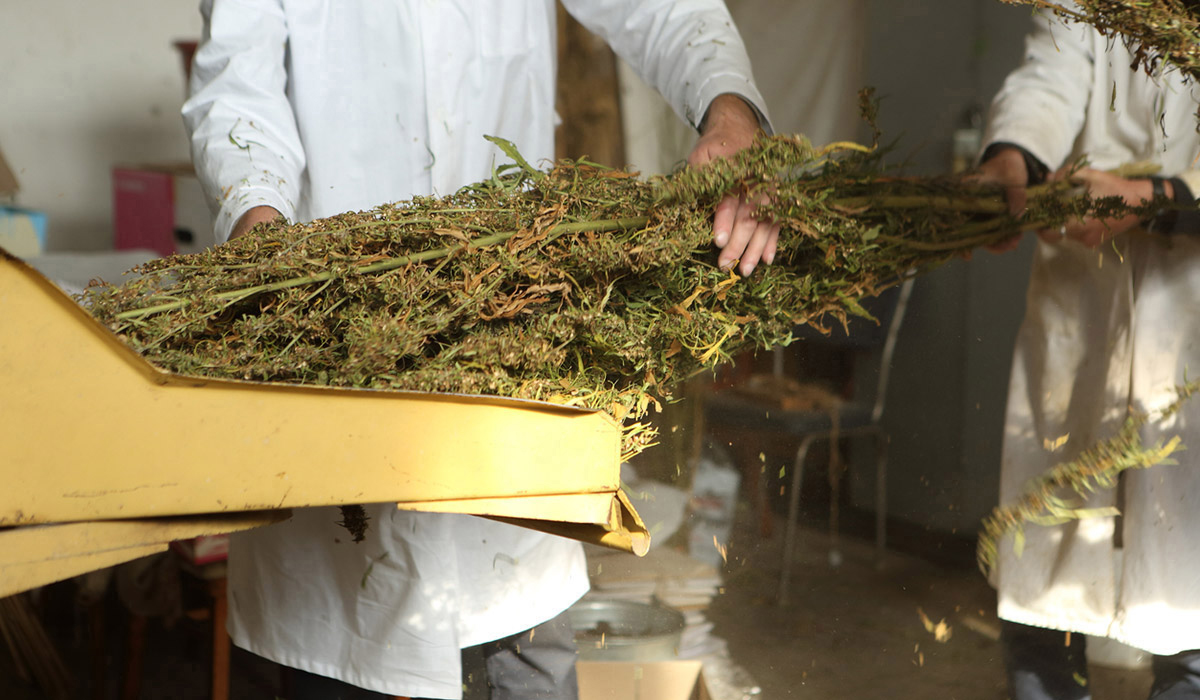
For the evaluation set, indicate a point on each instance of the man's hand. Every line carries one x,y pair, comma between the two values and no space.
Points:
1006,168
251,218
729,126
1093,232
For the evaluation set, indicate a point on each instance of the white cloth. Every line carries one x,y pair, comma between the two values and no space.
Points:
1105,330
316,107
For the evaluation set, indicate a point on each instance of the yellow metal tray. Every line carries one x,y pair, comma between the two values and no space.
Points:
89,431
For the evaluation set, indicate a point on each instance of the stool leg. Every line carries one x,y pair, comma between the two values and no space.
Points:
97,650
131,685
220,640
789,537
881,499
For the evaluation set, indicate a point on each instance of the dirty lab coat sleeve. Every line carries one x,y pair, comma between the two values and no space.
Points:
1042,106
244,142
1106,331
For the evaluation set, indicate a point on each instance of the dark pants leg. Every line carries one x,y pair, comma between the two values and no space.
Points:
310,686
535,665
1176,677
1041,665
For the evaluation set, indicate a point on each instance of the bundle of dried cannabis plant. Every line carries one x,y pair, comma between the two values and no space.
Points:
1162,33
579,285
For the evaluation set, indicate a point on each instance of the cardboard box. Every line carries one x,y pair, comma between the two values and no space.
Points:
627,680
160,208
22,231
205,549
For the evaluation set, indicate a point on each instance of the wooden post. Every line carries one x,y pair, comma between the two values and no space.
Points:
220,640
588,96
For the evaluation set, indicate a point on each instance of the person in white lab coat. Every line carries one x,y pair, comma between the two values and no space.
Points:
1110,327
309,108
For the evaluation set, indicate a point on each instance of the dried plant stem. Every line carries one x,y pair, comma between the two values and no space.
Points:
993,203
1159,34
33,653
236,295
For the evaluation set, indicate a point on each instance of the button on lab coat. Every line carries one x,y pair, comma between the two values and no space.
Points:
316,107
1105,331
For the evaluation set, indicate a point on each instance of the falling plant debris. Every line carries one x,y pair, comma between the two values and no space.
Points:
940,630
371,566
1058,495
1056,444
1160,34
579,285
721,549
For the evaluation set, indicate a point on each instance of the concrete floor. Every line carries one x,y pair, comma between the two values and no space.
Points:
851,632
857,631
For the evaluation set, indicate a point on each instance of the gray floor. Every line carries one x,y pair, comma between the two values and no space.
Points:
857,631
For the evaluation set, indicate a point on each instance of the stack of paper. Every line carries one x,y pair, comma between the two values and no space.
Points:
668,576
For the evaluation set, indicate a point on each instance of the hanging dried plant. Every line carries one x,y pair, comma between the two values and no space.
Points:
1160,34
1060,494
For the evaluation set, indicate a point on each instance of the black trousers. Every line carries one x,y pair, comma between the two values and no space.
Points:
537,664
1041,666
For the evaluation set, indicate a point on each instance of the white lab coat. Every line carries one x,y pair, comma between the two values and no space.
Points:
1105,330
316,107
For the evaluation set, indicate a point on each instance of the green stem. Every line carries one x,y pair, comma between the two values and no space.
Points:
984,204
236,295
969,236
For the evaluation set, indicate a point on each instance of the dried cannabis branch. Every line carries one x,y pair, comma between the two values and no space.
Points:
579,285
1162,33
1059,495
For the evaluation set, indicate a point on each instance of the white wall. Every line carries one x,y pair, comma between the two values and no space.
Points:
87,86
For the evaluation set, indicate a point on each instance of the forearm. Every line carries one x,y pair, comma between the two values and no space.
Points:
251,218
1042,104
245,145
729,111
